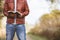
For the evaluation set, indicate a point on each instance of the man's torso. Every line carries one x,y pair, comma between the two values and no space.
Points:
19,7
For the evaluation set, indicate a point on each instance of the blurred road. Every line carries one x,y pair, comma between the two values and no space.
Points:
27,37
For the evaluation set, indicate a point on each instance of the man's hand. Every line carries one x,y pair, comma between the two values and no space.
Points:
19,15
11,15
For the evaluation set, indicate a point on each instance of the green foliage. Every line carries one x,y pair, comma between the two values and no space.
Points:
1,10
52,1
36,37
1,5
49,26
2,39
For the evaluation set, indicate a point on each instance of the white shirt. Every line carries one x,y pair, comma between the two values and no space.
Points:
15,3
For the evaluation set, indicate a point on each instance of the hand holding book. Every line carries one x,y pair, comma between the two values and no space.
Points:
18,14
12,14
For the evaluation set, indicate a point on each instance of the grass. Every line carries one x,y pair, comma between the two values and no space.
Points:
35,37
2,39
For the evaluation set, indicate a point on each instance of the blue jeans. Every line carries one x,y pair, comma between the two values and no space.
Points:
18,28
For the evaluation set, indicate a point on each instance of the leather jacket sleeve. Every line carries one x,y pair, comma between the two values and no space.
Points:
5,9
26,12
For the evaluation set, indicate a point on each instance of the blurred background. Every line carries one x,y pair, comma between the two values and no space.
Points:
42,23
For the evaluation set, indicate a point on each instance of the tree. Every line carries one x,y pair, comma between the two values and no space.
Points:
1,10
49,25
54,4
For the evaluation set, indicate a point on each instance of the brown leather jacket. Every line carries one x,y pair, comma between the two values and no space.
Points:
22,7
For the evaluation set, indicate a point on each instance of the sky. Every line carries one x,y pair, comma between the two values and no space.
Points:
37,9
